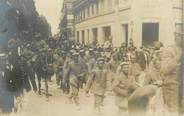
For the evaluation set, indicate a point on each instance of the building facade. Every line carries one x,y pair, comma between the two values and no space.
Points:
144,21
67,19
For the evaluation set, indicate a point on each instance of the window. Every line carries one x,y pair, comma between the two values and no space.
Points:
88,12
178,27
92,9
77,36
83,37
150,33
97,7
84,13
177,3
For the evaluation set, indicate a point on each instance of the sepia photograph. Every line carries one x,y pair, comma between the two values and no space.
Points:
91,58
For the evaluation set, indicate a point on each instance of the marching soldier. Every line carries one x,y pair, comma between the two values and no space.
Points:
122,87
65,82
40,49
84,69
171,61
97,83
48,68
134,66
59,71
91,60
154,77
73,72
27,56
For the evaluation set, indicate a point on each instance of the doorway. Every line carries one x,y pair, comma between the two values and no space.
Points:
107,33
77,36
150,33
83,37
95,35
125,33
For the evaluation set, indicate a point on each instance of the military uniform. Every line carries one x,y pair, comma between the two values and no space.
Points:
59,71
170,68
27,56
47,68
97,84
154,77
73,72
65,81
112,68
91,64
122,87
134,67
49,60
84,72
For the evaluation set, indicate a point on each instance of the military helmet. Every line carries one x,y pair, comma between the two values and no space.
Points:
124,63
101,59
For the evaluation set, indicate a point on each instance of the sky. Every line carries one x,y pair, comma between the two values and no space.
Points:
51,9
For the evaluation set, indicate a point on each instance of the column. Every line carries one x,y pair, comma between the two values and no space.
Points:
86,36
90,36
110,4
83,37
90,10
100,4
100,36
105,5
97,7
76,36
86,11
80,36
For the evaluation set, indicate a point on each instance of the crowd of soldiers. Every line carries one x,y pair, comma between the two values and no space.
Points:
133,75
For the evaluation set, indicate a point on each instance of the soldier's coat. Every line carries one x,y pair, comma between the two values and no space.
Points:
121,86
97,82
72,73
171,60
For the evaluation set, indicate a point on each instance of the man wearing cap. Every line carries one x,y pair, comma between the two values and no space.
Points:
49,63
154,77
59,70
66,66
47,68
113,65
171,61
97,83
27,56
84,69
122,87
91,61
73,72
134,66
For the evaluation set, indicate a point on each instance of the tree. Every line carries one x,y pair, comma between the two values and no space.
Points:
43,27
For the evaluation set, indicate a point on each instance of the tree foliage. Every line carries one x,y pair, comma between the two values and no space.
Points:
29,23
43,27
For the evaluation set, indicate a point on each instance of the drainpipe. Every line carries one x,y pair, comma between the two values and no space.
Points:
182,66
